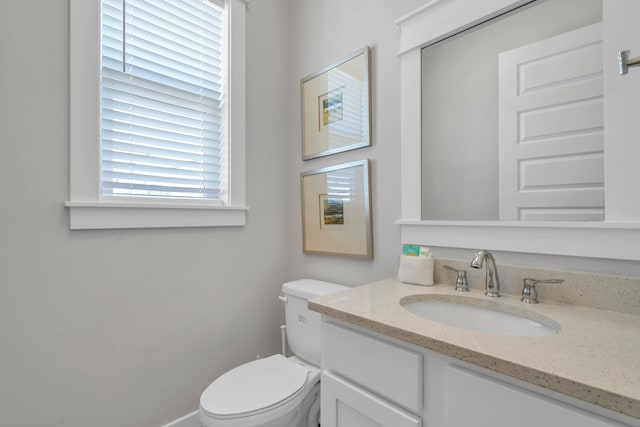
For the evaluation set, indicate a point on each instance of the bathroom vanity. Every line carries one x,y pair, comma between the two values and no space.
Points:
383,365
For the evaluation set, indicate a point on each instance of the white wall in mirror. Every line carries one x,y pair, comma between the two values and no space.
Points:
614,238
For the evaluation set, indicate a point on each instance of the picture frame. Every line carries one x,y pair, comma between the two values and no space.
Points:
336,106
336,210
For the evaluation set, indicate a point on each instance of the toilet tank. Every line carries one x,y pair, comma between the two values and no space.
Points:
303,325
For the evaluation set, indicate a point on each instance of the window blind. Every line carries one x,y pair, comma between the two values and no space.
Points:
161,99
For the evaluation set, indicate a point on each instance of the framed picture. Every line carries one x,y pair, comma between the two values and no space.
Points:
336,107
336,211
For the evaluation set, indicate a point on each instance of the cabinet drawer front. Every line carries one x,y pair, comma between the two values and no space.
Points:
391,371
500,404
346,405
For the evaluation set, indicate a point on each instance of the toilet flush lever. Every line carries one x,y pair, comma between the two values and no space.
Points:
283,299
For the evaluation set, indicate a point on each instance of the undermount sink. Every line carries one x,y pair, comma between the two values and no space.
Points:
480,315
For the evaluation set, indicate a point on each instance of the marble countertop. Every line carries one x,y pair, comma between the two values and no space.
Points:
595,357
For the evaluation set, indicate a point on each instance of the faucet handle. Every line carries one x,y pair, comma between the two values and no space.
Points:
529,293
461,280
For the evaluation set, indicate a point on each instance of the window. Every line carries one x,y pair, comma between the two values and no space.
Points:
161,112
157,122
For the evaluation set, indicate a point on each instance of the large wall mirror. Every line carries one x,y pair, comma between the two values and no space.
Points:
512,117
517,133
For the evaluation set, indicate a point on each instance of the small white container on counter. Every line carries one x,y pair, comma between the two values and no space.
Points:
416,270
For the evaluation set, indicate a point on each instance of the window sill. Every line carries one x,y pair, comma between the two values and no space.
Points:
110,215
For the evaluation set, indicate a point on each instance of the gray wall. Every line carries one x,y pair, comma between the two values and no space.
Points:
324,31
126,327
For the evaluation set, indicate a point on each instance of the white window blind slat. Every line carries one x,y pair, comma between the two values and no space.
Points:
161,138
172,77
155,31
161,111
144,92
153,157
139,31
119,156
185,60
153,25
151,126
167,79
165,14
184,117
126,141
192,12
142,189
159,178
119,166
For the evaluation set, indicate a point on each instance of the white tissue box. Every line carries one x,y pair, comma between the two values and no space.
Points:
416,270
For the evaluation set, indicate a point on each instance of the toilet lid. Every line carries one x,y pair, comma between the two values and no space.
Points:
253,386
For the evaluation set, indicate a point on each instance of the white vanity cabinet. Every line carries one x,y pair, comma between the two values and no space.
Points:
368,382
369,379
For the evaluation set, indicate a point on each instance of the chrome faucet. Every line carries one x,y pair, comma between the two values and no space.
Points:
491,284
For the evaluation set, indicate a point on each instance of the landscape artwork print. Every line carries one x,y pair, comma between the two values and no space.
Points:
333,211
330,108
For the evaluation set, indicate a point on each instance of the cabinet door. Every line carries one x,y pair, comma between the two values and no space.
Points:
359,357
346,405
476,400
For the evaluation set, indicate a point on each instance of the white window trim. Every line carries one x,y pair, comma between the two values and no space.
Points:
86,208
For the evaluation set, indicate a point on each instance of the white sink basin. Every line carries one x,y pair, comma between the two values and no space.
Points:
478,315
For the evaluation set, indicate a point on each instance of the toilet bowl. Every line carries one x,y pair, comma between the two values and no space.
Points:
275,391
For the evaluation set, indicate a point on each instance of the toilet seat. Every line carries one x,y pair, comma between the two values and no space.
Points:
257,387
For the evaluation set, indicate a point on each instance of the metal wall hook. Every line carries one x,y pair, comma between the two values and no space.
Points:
624,62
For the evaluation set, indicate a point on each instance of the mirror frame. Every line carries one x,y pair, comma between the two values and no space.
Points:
433,22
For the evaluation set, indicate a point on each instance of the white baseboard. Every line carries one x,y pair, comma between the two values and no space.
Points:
189,420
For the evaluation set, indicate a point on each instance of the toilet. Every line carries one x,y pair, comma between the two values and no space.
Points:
275,391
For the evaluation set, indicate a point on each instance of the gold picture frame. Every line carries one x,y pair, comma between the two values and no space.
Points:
336,210
336,107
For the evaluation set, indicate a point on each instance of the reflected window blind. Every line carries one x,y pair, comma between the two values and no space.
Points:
161,93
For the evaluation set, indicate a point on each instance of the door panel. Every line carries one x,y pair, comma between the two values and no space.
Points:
551,129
